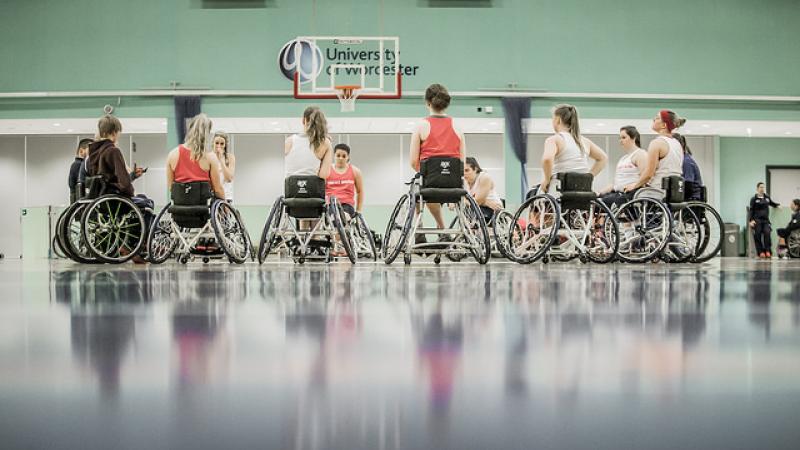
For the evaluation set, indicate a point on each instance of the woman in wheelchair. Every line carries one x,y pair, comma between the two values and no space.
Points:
629,168
436,136
664,155
481,186
309,153
692,178
790,233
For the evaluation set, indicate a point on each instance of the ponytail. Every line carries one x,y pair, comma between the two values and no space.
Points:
316,126
569,117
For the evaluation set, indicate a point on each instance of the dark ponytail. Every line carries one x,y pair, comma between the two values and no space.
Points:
633,133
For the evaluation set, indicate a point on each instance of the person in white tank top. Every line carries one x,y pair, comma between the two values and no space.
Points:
629,168
664,154
309,153
564,153
481,187
227,167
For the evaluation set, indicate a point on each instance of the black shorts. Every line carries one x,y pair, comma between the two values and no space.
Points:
616,198
782,232
488,213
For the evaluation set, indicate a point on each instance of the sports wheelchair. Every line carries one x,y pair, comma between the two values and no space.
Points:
192,214
499,226
102,226
304,200
440,180
571,223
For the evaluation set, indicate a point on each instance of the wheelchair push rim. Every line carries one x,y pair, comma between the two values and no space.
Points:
113,228
161,241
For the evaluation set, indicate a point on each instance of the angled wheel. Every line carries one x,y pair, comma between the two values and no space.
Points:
685,237
71,236
542,217
162,239
711,229
603,241
335,214
644,229
476,234
113,228
230,232
270,230
503,226
793,244
362,233
397,229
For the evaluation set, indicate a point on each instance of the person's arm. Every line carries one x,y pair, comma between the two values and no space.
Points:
794,223
416,142
548,159
606,189
598,155
121,172
229,168
359,181
750,212
325,154
653,155
772,203
72,179
287,146
216,183
483,189
171,158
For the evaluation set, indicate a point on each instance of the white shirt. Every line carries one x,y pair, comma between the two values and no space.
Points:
627,172
491,198
301,159
670,165
571,158
227,186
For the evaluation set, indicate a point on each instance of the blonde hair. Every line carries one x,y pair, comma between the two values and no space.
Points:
197,136
569,117
316,126
108,125
227,139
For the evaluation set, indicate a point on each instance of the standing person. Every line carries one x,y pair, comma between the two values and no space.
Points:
691,171
794,224
436,137
74,170
309,153
227,162
664,154
345,182
568,151
629,167
758,219
481,187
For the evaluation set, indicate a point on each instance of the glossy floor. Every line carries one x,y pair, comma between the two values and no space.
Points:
458,356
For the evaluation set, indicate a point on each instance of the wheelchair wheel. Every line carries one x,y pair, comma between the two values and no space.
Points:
711,229
475,232
162,241
397,229
71,237
603,240
644,229
685,237
57,248
793,244
544,217
335,215
363,242
229,230
456,255
502,230
270,230
113,228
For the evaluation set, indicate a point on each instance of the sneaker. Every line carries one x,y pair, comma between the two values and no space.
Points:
768,255
762,255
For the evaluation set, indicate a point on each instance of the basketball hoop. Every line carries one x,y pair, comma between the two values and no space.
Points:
347,95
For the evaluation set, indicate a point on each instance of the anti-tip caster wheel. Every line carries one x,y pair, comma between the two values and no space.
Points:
545,259
407,259
437,259
206,259
184,260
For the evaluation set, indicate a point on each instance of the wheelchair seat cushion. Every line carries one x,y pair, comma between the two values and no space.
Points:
443,173
304,202
442,195
575,182
577,200
190,216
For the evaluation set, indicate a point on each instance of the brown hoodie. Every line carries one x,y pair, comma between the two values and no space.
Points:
106,159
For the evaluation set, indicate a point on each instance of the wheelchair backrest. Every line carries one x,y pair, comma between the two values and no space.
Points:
674,188
442,173
575,182
304,186
96,186
196,193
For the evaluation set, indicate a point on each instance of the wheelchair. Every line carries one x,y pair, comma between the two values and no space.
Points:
304,199
362,242
571,224
102,226
498,225
440,180
711,225
659,224
793,244
192,214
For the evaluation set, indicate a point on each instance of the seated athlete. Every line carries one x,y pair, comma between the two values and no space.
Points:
345,182
481,187
629,168
664,154
794,224
191,162
309,153
691,171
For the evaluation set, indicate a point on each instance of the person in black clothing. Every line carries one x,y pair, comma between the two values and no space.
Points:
758,218
75,168
794,224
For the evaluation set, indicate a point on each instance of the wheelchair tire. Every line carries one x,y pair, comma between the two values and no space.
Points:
502,226
519,250
483,251
712,229
270,229
398,227
161,243
58,252
230,232
642,221
610,228
793,244
113,217
685,226
72,237
335,214
365,233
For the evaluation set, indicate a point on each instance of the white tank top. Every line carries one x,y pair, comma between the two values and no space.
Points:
491,198
570,158
627,172
227,186
301,160
670,165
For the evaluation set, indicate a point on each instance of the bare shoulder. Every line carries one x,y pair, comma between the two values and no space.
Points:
555,139
356,170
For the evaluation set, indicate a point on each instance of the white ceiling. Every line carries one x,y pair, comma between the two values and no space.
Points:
384,125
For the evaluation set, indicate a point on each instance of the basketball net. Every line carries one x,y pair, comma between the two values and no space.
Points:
347,97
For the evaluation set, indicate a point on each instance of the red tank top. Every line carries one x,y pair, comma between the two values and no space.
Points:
342,186
442,141
186,170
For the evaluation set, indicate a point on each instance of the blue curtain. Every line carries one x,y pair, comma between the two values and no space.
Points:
516,111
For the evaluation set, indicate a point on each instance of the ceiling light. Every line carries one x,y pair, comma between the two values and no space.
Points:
705,125
56,124
601,124
274,123
788,133
749,131
69,130
164,122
